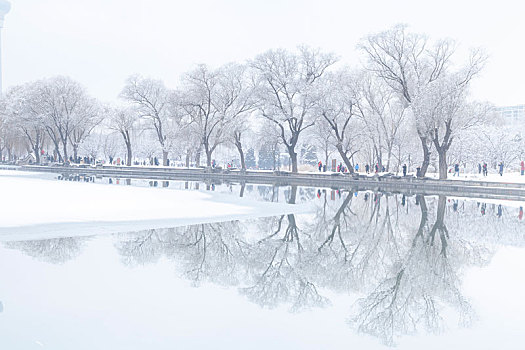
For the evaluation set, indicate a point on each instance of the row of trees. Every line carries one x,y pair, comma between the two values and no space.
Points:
407,95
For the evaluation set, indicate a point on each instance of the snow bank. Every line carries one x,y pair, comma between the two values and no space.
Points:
33,208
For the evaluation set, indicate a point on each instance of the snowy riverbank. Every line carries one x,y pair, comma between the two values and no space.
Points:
36,208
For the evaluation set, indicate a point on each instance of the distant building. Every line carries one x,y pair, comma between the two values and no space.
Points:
512,115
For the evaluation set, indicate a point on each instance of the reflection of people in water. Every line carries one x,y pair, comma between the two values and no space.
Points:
483,208
318,193
455,205
403,200
500,209
520,215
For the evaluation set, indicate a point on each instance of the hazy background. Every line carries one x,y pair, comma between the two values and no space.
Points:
101,42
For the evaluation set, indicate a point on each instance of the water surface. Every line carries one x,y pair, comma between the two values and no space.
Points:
365,270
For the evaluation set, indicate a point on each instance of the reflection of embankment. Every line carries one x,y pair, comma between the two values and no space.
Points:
385,183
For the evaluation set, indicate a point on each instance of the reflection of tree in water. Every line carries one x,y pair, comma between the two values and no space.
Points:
141,248
209,252
405,259
422,282
278,269
205,252
55,251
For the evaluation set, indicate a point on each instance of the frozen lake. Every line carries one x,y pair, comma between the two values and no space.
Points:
359,270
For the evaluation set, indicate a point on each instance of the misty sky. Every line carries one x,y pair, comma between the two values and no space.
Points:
101,42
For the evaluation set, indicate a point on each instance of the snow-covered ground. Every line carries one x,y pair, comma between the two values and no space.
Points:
36,207
511,177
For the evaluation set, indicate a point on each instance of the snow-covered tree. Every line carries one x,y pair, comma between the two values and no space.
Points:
336,104
22,110
444,112
124,121
157,104
382,117
287,90
70,114
408,62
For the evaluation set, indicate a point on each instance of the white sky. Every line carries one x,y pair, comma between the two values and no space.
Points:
101,42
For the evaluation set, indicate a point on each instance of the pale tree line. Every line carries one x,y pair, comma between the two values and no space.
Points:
408,102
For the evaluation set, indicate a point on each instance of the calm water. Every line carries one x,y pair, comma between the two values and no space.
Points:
365,270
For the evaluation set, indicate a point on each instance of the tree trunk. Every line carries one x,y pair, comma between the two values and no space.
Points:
188,154
164,157
443,167
37,154
208,158
439,226
66,159
345,158
293,194
198,158
379,159
75,153
243,186
389,155
241,154
130,155
274,157
424,215
293,159
426,156
57,152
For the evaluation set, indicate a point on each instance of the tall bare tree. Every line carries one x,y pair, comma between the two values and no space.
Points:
337,104
287,91
70,114
124,121
156,103
23,110
407,62
236,102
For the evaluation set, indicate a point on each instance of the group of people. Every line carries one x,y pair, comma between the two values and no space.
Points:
483,168
377,168
340,167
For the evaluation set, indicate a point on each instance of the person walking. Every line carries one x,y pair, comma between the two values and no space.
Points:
501,169
479,168
367,168
522,168
485,169
404,170
456,169
357,168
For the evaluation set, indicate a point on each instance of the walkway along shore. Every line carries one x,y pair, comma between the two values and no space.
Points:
391,183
